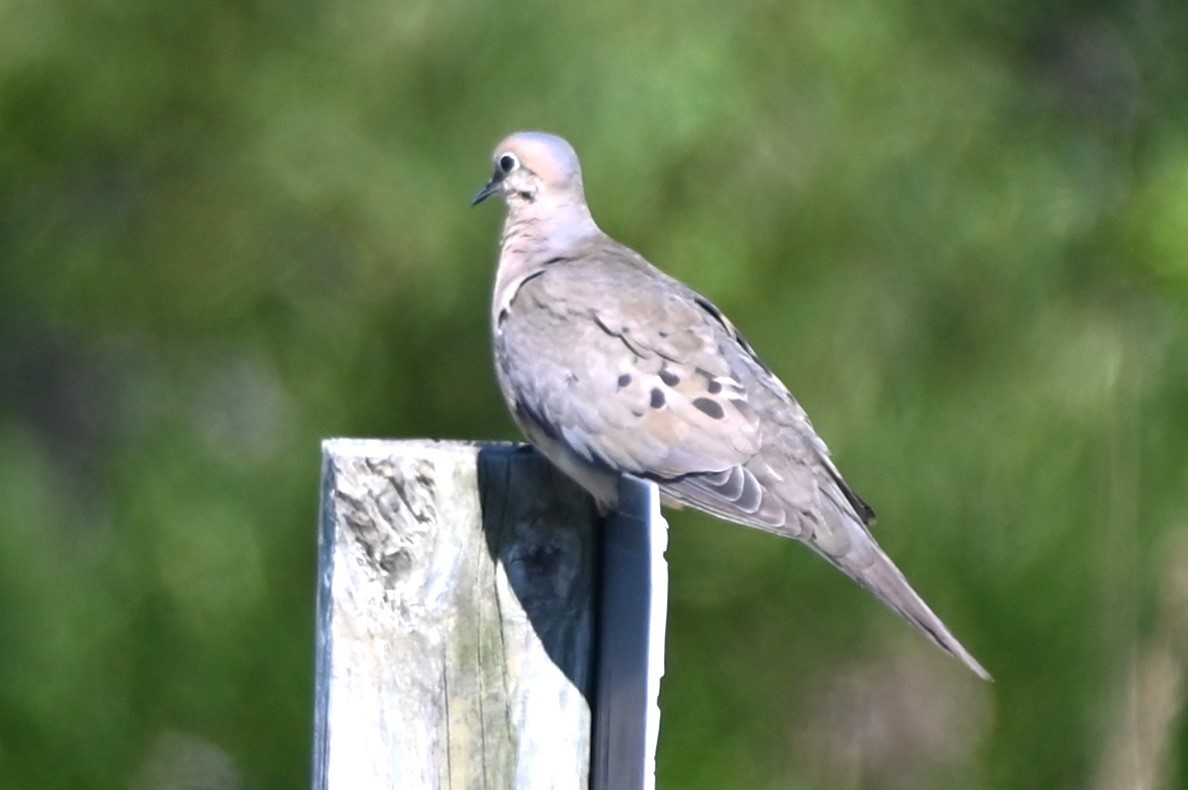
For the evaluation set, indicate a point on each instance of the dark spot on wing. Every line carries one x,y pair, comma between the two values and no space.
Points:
624,380
715,387
669,378
657,398
741,405
710,408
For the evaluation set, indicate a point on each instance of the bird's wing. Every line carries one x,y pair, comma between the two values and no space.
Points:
638,374
635,372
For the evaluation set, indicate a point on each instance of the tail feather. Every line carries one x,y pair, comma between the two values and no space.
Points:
837,531
887,583
849,546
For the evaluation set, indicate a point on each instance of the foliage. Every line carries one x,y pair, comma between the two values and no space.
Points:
960,232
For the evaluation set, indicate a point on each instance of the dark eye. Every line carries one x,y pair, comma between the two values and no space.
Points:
508,163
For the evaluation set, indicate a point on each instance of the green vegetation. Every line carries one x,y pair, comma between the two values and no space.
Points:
959,231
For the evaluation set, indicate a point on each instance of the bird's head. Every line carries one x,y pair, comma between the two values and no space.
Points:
529,166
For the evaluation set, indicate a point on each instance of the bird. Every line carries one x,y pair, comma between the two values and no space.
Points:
611,367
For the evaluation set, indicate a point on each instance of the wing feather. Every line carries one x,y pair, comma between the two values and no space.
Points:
638,374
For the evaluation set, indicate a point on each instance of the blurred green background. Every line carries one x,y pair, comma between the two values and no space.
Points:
959,231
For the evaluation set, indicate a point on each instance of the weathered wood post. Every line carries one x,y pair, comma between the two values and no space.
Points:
458,623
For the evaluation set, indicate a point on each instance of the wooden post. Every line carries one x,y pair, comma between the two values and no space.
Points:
458,623
633,611
455,619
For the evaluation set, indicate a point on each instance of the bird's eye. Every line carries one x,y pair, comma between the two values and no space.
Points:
508,163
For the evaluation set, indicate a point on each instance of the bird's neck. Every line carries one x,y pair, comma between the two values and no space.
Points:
538,231
535,235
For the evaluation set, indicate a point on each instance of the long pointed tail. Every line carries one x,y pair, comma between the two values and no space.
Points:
849,546
889,585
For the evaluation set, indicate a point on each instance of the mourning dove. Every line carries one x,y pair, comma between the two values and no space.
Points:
611,367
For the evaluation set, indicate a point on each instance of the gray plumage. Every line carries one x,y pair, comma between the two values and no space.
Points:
610,367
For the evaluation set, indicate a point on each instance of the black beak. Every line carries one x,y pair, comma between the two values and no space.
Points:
490,189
